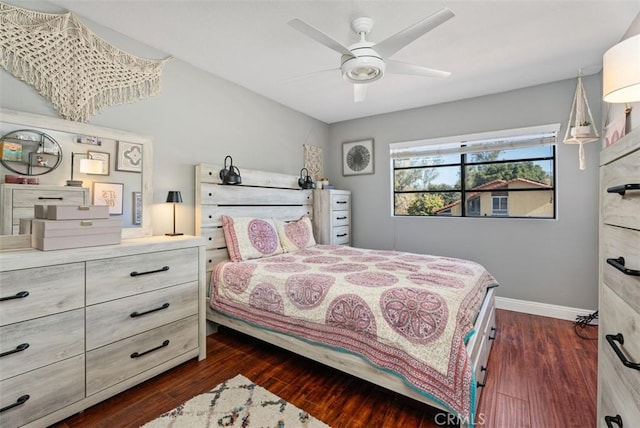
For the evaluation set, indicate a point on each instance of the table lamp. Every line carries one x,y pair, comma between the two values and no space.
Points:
174,197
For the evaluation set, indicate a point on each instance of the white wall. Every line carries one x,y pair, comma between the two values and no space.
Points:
196,118
548,261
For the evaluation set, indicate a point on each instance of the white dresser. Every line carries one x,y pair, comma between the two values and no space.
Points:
18,201
619,309
78,326
332,216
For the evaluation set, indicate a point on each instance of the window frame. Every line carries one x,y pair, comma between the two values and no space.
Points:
466,144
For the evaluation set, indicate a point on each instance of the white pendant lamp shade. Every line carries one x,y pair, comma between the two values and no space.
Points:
621,72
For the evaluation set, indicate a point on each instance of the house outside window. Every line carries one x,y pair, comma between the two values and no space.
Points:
506,174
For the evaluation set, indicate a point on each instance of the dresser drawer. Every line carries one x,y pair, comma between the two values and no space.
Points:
114,363
481,359
615,398
31,197
48,290
341,218
616,317
618,242
340,202
44,341
111,279
341,235
622,210
49,388
25,199
115,320
486,328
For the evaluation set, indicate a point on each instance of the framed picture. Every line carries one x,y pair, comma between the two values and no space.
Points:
129,157
357,157
109,194
104,157
137,208
86,139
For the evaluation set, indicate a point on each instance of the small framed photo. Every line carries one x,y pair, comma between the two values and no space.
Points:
129,157
109,194
86,139
137,208
105,157
357,157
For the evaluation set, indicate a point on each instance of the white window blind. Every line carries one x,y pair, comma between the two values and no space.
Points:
495,140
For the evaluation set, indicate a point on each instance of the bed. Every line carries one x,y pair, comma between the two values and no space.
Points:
450,379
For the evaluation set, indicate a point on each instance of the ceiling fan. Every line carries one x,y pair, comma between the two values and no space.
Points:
365,62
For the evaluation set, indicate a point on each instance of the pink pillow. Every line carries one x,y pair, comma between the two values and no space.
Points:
295,235
250,238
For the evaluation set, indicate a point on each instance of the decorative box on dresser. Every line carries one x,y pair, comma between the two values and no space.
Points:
332,216
78,326
619,308
18,201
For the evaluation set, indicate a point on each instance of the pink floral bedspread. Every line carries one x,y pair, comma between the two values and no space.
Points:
405,313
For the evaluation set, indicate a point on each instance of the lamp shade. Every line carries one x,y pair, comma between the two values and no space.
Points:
621,72
91,166
174,196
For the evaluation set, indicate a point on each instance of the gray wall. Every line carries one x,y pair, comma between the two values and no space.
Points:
196,118
548,261
201,118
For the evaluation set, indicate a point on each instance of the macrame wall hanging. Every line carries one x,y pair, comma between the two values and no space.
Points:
71,66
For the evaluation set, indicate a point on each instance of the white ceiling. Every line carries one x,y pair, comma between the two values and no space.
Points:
489,46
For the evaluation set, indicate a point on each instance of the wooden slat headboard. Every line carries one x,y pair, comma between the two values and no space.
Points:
262,194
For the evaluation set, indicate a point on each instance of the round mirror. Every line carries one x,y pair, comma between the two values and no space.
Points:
30,152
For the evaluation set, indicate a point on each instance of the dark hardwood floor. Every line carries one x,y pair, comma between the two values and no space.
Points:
540,374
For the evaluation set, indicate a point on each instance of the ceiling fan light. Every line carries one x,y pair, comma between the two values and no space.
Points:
363,69
361,74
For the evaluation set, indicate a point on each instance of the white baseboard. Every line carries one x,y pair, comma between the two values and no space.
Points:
543,309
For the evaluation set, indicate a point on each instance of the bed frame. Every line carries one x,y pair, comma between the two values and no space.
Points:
267,194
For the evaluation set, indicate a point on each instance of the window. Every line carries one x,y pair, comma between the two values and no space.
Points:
500,206
502,174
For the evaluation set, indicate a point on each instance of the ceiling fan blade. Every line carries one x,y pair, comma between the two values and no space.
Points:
397,67
394,43
319,36
359,92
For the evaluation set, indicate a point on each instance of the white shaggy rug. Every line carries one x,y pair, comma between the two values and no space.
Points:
238,402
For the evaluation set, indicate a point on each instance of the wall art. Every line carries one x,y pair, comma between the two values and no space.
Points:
129,157
109,194
357,157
